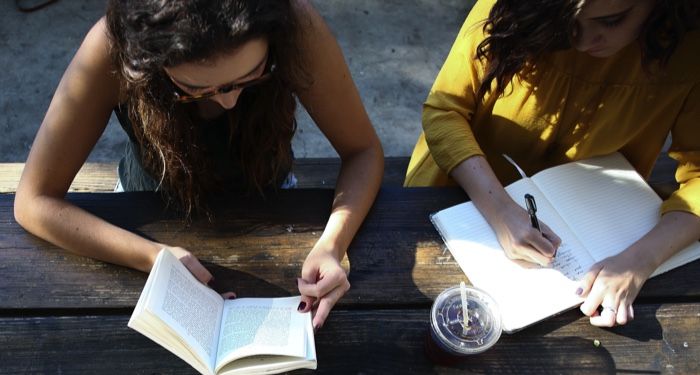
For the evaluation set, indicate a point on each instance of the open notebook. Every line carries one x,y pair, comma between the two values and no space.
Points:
597,206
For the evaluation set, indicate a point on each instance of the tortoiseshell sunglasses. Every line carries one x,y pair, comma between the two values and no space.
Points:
225,88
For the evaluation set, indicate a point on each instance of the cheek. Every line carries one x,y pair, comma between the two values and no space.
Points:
623,36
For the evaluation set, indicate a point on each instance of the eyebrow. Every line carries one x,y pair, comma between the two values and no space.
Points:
263,61
614,15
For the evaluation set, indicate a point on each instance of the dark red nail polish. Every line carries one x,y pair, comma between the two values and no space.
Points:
302,306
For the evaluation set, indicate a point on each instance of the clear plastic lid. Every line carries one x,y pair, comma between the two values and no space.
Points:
446,318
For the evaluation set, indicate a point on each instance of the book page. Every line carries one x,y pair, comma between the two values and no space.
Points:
255,326
525,292
188,307
603,200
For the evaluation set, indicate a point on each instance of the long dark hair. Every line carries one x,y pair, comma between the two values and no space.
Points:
519,32
148,35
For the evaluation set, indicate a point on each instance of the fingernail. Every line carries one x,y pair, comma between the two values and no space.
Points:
302,306
579,291
317,327
232,297
211,281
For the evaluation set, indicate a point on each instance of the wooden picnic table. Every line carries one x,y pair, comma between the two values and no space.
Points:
61,313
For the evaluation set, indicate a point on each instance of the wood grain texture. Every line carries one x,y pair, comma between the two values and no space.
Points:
663,339
256,247
310,172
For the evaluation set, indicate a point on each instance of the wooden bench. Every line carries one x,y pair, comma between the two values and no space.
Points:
102,177
311,173
61,313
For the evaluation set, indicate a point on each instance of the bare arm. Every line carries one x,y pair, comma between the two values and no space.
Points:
76,118
335,105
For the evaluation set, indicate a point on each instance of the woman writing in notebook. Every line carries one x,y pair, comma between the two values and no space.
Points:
206,92
551,81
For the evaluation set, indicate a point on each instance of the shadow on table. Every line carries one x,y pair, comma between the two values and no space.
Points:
242,283
384,264
533,355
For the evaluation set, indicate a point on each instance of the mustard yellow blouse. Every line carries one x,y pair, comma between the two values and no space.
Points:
573,107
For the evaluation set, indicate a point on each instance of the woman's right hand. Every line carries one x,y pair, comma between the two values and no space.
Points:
520,240
192,264
196,268
510,221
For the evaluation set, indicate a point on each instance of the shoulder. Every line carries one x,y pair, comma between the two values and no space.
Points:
306,14
471,34
474,24
94,61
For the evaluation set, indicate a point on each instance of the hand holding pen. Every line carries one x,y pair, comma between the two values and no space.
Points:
552,241
532,211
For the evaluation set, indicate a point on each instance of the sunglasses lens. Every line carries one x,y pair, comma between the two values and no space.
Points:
226,89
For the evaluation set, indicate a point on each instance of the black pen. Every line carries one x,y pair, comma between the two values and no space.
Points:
532,210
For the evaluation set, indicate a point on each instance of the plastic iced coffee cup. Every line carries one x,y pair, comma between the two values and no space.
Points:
450,338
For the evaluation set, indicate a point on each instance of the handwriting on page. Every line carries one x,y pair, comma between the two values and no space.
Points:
568,263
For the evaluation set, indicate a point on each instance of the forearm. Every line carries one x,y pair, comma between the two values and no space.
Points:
357,186
477,179
74,229
675,231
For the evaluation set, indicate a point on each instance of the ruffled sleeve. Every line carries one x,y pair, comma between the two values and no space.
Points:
451,103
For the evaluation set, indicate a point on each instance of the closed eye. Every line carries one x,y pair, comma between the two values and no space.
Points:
612,22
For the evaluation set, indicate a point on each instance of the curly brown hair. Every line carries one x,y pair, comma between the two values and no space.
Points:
518,33
149,35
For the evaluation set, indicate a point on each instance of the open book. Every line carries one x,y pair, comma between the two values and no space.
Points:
598,207
217,336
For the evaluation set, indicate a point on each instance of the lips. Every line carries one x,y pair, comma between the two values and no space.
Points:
595,51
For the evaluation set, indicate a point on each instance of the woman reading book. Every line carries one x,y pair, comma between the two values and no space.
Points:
551,81
207,93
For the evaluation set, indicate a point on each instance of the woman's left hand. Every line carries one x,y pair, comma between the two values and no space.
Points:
613,284
323,281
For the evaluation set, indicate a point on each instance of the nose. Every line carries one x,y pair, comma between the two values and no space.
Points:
227,100
588,38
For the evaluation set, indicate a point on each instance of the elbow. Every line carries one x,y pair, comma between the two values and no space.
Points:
22,209
27,208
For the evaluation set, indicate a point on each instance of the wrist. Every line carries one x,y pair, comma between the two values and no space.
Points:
642,258
150,254
323,246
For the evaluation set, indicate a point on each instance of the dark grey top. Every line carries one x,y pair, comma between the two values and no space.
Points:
216,135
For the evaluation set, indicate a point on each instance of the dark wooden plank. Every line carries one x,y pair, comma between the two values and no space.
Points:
323,172
257,247
663,339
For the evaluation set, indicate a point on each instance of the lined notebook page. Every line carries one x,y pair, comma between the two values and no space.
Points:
526,293
603,200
